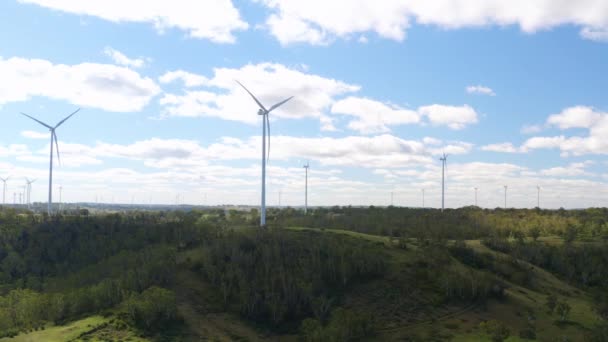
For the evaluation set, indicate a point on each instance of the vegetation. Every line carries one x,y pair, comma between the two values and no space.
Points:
336,274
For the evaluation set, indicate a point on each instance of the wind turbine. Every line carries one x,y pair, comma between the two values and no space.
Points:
306,166
506,196
29,190
422,198
538,196
4,189
53,140
265,123
475,196
444,161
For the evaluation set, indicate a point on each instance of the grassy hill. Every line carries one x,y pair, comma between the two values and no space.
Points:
186,279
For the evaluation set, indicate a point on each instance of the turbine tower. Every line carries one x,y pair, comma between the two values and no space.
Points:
4,189
422,198
538,196
53,140
306,166
29,191
475,196
444,161
265,123
506,196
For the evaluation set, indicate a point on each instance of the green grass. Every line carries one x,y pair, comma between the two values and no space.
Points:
94,329
60,333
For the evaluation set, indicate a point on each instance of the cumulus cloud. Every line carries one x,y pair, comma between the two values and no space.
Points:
455,117
479,89
581,117
35,134
215,20
103,86
373,116
571,170
121,59
503,147
320,22
269,82
189,79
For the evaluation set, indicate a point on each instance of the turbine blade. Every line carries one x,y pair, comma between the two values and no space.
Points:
279,104
69,116
254,98
38,121
268,125
56,147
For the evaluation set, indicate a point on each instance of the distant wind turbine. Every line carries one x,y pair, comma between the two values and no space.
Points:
265,123
29,191
306,166
4,189
538,196
444,161
506,196
475,196
422,198
53,140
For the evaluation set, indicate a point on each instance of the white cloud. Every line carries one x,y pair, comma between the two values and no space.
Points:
376,117
35,134
575,117
596,34
531,129
479,89
189,79
572,170
120,58
215,20
104,86
320,22
373,116
594,121
270,83
503,147
455,117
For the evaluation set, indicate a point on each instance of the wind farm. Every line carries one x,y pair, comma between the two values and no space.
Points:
170,212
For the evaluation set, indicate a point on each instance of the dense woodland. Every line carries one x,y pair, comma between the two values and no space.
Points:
285,281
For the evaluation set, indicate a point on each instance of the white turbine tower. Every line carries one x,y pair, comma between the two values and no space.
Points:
265,123
444,161
29,191
422,198
538,196
4,189
475,196
506,196
306,166
53,140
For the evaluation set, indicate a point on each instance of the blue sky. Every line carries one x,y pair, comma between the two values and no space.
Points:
514,91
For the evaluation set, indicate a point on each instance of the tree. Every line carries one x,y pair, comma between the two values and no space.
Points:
498,332
563,309
534,233
551,303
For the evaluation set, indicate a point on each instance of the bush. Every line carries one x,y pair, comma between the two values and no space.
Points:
153,309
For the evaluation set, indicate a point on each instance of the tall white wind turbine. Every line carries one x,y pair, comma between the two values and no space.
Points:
53,140
538,196
4,189
265,123
306,166
506,196
444,161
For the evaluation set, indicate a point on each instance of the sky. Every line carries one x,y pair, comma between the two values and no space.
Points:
514,91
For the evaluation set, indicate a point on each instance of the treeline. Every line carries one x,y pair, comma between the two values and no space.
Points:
463,223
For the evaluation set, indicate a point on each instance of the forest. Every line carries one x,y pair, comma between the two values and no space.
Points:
333,274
